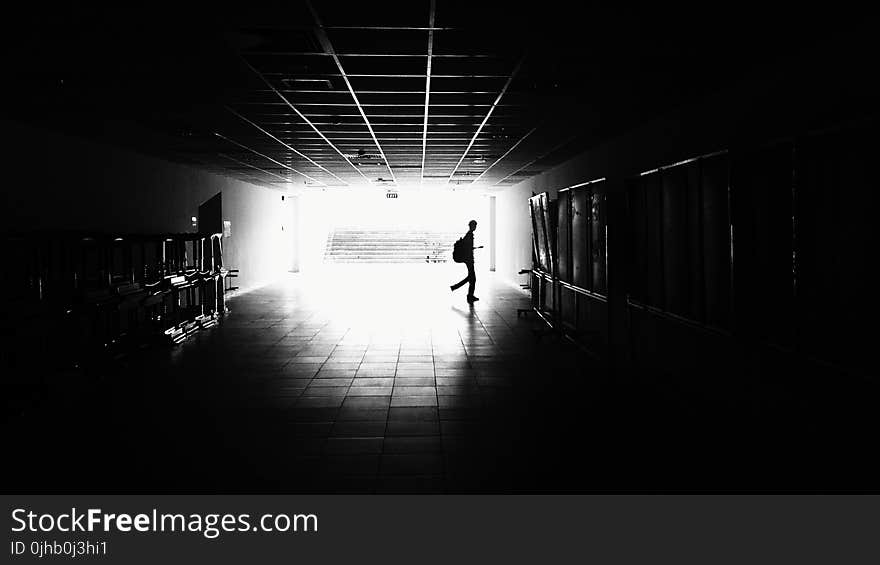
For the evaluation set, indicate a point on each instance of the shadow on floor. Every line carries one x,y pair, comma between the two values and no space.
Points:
293,393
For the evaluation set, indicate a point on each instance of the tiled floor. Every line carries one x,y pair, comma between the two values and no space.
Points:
361,378
378,379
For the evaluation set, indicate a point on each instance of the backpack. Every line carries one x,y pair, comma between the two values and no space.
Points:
458,251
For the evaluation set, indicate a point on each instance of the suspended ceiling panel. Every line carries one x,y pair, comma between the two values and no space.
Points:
418,94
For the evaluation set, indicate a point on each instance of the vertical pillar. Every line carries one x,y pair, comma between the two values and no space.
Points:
492,232
294,232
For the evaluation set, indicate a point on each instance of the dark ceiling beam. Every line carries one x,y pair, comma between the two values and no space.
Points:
343,75
273,26
303,117
307,91
290,148
264,156
393,28
399,55
461,121
390,105
419,115
427,91
409,115
328,47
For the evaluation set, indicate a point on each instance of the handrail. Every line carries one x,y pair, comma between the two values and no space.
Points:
660,313
580,184
683,162
583,291
542,274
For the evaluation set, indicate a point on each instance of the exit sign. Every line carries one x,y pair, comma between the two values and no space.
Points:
390,195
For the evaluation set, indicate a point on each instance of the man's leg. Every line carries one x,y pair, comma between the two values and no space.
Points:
462,282
471,279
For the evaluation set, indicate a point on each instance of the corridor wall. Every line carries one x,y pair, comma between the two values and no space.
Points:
751,260
60,182
750,263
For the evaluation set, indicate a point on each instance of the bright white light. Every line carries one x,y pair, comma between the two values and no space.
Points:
359,295
367,207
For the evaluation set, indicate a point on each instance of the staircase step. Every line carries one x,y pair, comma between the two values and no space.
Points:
366,245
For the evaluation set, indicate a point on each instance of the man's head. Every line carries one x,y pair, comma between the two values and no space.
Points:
473,225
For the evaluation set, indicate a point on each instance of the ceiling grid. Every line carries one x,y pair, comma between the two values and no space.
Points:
430,94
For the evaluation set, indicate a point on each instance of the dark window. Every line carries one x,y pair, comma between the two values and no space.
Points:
678,235
588,228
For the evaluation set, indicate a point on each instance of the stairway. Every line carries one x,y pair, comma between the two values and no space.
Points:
367,245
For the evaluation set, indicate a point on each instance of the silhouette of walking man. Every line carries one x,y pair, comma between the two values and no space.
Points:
471,279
